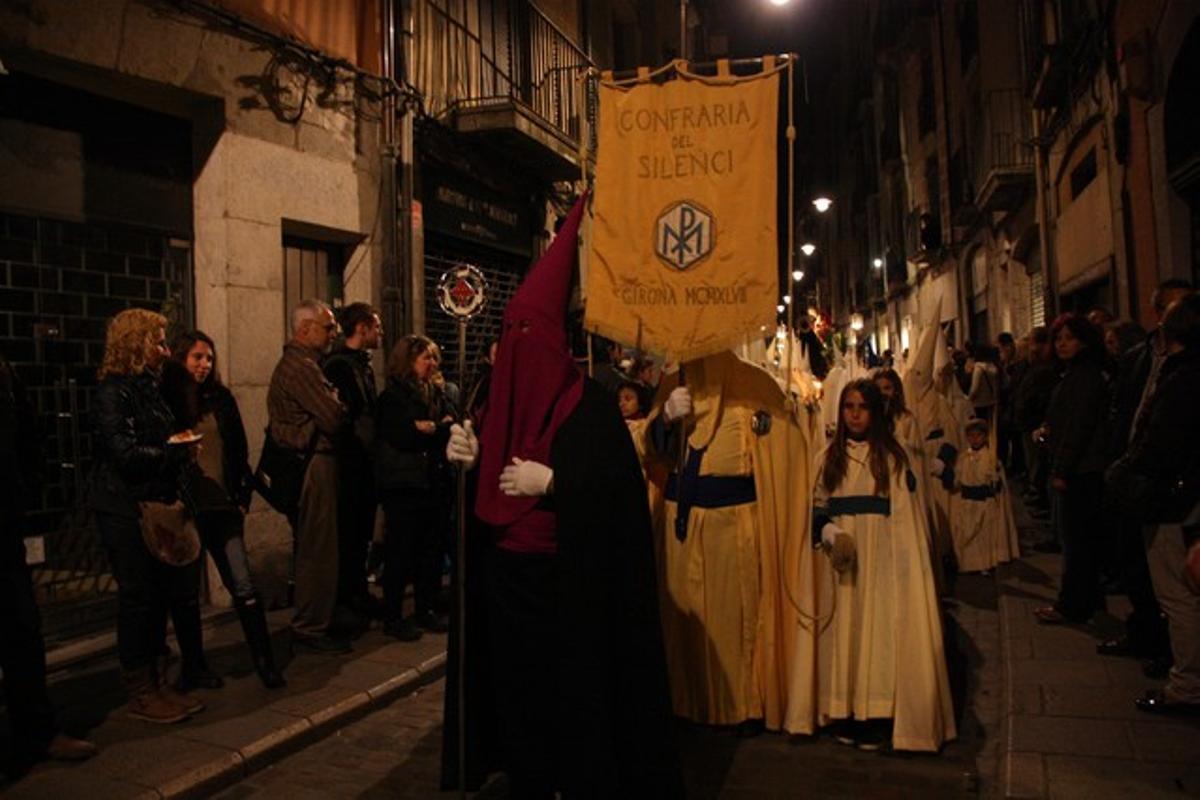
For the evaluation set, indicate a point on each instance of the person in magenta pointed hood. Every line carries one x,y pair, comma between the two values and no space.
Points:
566,679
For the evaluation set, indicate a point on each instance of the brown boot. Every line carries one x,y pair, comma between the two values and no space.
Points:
182,700
145,703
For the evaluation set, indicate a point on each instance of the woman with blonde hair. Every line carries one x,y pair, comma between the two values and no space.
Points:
135,463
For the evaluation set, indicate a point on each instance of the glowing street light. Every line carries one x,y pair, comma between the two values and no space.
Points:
779,309
822,204
808,248
798,275
878,263
787,299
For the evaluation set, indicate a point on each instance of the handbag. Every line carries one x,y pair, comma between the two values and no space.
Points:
169,531
279,477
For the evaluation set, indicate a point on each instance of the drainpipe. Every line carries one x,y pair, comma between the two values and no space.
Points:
391,288
1049,290
412,233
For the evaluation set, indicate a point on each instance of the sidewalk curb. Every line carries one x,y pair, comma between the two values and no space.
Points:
224,771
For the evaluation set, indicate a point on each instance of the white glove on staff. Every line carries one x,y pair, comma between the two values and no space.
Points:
463,447
526,479
678,405
937,467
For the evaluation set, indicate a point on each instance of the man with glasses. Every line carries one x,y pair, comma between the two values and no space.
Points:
305,414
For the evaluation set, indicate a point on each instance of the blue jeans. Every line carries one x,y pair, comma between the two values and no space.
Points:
222,533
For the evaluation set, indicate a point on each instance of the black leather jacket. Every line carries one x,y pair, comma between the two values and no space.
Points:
131,424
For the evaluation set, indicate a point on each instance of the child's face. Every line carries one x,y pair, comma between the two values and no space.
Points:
627,401
976,439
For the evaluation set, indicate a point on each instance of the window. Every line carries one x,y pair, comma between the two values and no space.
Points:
1083,174
311,269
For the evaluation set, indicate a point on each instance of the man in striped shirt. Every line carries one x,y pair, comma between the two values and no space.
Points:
306,414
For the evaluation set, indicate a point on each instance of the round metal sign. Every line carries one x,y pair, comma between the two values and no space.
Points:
462,291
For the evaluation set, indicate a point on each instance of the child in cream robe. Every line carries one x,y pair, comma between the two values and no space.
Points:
982,524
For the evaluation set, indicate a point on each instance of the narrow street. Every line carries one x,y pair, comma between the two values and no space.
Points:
394,752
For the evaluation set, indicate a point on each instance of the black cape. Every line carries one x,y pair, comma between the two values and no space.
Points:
615,704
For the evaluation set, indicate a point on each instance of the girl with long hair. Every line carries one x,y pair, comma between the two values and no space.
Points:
880,672
220,484
411,433
922,455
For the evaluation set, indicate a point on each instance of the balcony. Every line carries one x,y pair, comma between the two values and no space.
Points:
1003,157
503,72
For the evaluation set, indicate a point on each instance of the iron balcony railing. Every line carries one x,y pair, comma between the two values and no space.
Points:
478,53
1002,138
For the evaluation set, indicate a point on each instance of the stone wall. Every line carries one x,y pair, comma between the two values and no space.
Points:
257,162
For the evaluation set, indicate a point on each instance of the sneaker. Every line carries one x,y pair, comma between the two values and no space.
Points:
403,629
68,748
324,644
874,735
434,623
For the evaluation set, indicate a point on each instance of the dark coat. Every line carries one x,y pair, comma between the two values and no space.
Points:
21,467
133,462
616,723
1167,444
406,458
351,374
1031,397
189,401
1133,370
1077,417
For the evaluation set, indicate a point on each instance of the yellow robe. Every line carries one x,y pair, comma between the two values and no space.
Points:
726,626
871,643
984,531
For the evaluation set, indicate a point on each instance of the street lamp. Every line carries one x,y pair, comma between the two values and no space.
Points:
822,204
797,275
779,309
878,263
808,248
787,299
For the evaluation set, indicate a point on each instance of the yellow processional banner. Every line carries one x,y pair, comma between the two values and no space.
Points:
684,250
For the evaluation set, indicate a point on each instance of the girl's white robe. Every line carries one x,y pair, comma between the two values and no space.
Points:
870,644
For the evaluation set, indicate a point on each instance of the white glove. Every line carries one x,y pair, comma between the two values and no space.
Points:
937,467
840,547
830,532
678,405
526,479
463,447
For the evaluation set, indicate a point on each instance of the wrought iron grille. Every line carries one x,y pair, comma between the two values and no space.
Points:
60,282
473,53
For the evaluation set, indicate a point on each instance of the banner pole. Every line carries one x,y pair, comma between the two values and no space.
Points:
791,215
461,580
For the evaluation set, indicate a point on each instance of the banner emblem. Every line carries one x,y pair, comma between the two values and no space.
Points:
684,234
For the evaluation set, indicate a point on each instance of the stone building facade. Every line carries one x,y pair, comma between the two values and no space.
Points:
156,155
